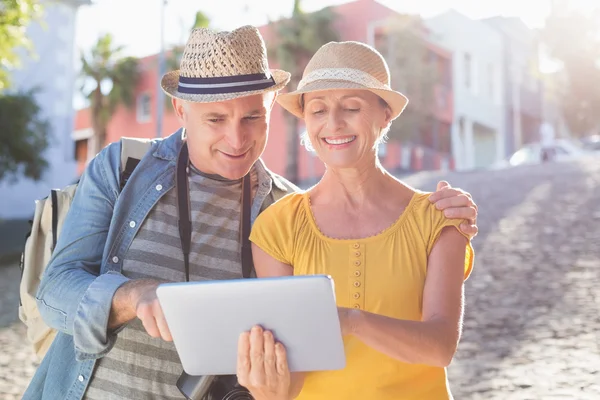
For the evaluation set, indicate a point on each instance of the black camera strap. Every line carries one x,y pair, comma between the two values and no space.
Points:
183,207
185,219
210,387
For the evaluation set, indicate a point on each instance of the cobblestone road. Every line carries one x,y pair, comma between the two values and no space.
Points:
532,322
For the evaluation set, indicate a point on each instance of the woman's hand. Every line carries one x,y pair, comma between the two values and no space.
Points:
262,365
348,321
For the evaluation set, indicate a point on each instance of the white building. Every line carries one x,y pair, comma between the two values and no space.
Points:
478,129
52,71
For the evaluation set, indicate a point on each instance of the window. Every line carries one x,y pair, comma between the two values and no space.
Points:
81,150
381,43
144,108
446,72
442,97
475,78
467,70
533,83
444,139
491,80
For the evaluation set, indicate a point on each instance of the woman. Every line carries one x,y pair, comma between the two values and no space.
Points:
397,262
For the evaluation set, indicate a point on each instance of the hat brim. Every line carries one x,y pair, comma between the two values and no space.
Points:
170,83
291,101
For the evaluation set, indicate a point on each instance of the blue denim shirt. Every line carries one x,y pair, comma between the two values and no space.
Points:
77,287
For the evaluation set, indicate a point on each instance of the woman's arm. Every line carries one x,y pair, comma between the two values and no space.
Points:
434,339
267,266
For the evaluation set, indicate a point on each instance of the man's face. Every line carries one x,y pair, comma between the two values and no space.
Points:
226,138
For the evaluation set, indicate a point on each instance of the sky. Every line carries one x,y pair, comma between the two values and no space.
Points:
136,23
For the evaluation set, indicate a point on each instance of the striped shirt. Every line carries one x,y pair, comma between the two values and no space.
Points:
140,366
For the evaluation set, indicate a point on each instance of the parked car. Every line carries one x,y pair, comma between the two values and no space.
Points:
536,153
591,143
557,150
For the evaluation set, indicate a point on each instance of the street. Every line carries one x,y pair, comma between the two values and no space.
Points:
532,316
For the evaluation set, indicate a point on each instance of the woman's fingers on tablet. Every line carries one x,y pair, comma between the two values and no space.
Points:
262,364
270,358
282,362
243,361
257,356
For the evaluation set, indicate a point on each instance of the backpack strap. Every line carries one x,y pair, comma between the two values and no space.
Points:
54,198
132,151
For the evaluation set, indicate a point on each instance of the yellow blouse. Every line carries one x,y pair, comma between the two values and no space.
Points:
382,274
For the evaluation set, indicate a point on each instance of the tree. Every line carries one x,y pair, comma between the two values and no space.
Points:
574,39
105,67
200,21
404,46
298,38
24,136
15,16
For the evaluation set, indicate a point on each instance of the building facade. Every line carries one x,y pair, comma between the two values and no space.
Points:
51,71
523,94
478,127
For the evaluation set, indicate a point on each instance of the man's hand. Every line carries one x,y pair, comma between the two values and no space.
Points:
137,298
457,204
148,310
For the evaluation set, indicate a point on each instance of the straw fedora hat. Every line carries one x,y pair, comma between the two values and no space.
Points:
345,65
219,66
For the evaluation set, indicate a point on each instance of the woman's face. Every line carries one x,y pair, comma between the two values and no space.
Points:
344,125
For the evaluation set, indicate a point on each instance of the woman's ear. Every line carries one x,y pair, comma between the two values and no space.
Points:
388,117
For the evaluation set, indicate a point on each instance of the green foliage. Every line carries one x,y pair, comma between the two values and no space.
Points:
298,38
15,16
24,137
174,57
105,66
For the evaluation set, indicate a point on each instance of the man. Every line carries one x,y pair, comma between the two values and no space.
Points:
99,289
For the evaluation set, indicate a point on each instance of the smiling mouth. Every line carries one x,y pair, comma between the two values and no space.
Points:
236,156
339,140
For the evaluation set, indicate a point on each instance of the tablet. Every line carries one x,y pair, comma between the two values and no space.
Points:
206,318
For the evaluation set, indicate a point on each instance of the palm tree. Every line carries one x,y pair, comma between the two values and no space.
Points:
298,38
105,67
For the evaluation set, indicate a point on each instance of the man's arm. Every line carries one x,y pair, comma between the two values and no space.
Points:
137,299
73,297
